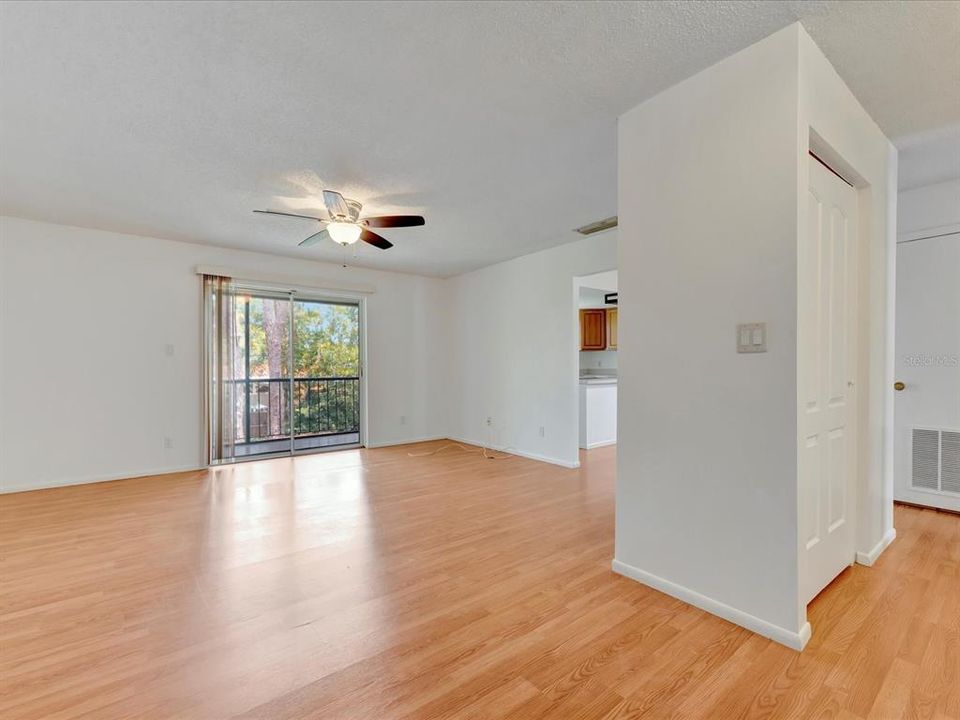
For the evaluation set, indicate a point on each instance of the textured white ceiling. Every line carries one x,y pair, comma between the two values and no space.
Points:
495,120
929,157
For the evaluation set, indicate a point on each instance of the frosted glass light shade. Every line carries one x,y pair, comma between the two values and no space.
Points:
344,233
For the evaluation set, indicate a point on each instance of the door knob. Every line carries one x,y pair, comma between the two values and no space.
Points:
899,386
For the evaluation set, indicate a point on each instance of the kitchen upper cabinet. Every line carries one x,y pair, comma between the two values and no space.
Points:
611,328
593,329
598,329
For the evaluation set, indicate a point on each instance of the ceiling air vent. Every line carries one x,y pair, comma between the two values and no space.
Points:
599,226
936,460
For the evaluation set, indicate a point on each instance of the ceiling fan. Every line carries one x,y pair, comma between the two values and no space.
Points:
344,225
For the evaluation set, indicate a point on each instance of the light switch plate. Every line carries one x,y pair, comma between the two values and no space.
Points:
752,338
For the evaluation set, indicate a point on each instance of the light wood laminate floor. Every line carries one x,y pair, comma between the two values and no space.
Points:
370,584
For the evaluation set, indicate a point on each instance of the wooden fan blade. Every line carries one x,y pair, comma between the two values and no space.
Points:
375,240
277,212
336,205
395,221
315,238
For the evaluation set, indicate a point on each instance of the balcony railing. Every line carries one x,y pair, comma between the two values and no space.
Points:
321,406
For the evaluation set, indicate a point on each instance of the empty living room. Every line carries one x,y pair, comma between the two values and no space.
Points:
433,359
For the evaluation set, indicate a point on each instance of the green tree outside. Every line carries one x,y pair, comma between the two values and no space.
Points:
326,345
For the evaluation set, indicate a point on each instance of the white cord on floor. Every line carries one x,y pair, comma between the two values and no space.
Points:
482,451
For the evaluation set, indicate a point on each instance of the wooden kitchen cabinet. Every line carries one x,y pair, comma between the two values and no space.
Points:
611,328
598,328
593,329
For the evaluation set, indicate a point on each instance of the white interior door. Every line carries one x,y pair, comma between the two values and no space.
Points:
927,425
827,369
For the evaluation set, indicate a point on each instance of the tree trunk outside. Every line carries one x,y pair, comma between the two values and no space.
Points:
275,327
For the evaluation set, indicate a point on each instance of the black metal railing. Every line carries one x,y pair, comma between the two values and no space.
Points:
321,406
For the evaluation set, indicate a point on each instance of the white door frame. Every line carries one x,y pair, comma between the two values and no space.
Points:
875,352
361,302
828,393
318,294
575,349
903,489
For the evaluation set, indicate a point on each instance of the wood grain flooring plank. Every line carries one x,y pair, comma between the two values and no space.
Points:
374,584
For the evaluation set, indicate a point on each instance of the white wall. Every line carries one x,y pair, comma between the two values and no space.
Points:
929,208
88,390
513,349
598,360
711,172
706,485
928,157
592,297
605,281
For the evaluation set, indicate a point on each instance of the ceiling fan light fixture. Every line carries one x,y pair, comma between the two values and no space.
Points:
344,226
344,233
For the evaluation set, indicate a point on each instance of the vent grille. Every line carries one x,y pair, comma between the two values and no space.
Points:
936,460
599,226
926,459
950,461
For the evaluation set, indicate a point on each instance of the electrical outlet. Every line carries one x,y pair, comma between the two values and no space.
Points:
541,431
167,443
403,419
169,350
489,421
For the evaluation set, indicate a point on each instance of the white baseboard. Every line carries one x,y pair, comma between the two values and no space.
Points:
521,453
543,458
927,498
410,441
793,640
129,475
869,558
602,443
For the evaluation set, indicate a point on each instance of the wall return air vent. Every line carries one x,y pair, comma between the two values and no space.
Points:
599,226
936,460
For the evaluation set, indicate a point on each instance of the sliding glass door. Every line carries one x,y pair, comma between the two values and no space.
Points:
263,373
297,373
326,374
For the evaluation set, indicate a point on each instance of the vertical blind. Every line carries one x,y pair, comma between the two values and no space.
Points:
220,301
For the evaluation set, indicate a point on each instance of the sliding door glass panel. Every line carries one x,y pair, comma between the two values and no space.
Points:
264,396
296,373
326,374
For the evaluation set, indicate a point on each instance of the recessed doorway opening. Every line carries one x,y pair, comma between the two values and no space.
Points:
596,299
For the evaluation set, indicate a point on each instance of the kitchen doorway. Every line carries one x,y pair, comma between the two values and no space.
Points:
598,317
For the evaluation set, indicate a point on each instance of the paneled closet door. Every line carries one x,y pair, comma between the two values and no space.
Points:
827,354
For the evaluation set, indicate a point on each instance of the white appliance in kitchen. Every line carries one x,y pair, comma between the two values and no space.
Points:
598,411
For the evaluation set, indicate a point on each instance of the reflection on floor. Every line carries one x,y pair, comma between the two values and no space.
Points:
372,584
